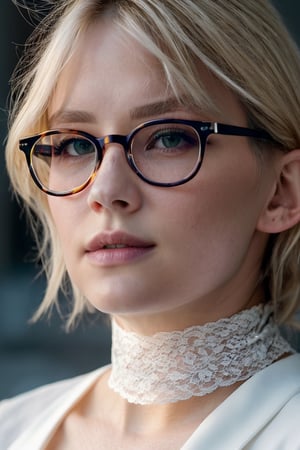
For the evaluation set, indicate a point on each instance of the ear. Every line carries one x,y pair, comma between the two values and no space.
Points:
282,211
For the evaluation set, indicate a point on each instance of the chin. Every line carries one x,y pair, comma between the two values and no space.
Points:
114,305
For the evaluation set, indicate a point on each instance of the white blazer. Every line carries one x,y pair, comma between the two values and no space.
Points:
262,414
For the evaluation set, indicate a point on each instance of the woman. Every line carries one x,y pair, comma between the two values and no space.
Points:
162,141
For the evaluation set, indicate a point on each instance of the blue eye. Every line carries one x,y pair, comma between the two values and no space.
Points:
74,147
171,140
81,147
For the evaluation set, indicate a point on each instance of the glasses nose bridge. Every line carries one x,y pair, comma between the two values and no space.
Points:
113,139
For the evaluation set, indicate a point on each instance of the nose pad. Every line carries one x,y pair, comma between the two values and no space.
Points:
115,185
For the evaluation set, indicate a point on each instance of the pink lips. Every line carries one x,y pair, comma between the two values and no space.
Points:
117,247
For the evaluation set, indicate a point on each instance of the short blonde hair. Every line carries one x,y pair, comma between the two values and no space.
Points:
242,42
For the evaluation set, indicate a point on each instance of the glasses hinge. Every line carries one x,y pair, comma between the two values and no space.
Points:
215,127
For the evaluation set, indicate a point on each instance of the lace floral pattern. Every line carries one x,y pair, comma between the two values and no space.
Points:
172,366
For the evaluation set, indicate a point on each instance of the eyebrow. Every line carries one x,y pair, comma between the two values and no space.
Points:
140,112
156,108
68,116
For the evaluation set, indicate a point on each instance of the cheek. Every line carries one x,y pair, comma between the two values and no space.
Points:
216,216
60,215
219,202
66,213
234,187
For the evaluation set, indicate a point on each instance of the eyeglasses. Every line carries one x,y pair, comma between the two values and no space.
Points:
164,152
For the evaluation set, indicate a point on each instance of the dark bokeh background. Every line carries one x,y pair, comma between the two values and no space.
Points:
31,355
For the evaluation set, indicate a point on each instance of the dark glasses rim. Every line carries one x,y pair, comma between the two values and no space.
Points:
203,130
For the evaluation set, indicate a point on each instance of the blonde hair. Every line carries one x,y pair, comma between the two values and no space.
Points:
242,42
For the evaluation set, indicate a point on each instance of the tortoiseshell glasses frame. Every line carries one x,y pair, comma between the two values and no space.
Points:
162,152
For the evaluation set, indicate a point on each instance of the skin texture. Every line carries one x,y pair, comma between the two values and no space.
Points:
207,250
208,235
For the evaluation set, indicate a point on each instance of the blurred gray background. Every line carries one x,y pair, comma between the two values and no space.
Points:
31,355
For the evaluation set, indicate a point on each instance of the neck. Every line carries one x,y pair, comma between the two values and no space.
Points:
212,309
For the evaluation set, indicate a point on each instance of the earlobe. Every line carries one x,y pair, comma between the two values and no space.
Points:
282,211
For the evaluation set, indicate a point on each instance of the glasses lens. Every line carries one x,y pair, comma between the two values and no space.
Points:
166,153
63,162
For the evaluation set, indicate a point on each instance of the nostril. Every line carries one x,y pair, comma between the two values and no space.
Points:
122,203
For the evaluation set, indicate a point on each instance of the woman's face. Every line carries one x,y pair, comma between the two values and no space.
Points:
189,253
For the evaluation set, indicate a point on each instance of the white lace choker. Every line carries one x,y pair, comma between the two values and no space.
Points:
172,366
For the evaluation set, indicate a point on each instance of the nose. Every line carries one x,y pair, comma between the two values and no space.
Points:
115,186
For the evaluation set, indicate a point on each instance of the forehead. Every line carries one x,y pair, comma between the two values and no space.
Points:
107,63
111,70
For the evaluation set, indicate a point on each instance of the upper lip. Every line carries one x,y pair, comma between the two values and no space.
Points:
99,241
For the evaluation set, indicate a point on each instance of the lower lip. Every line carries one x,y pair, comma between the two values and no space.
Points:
118,256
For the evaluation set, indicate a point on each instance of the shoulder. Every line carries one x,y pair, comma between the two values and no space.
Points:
282,430
38,395
19,413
